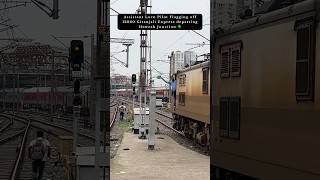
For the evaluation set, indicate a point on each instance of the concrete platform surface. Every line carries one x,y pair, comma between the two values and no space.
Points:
169,161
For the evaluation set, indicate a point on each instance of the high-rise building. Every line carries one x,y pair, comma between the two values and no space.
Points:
177,61
228,12
225,13
189,58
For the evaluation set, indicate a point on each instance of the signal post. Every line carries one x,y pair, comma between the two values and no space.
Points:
76,59
133,80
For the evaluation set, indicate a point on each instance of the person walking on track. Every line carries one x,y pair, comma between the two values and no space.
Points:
39,152
122,110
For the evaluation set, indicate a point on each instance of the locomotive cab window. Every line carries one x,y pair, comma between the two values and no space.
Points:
305,66
182,79
182,98
205,80
230,117
224,67
230,56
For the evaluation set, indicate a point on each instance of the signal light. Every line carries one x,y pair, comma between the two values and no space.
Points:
76,54
133,78
77,87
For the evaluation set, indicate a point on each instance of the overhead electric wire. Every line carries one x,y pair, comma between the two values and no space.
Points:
114,10
180,38
114,2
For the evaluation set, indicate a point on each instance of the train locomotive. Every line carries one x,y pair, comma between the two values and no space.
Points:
266,96
192,112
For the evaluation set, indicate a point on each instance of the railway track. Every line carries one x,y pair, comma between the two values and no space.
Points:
10,140
113,117
161,121
166,120
13,161
51,128
62,123
68,119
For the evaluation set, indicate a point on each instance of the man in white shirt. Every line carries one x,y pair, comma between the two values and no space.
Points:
39,152
122,110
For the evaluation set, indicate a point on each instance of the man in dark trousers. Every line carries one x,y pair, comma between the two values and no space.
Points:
39,152
173,88
122,110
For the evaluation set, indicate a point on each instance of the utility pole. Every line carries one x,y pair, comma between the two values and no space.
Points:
152,100
102,84
55,82
97,93
37,85
92,82
76,112
4,87
212,50
128,44
143,70
170,77
13,91
19,95
253,4
52,83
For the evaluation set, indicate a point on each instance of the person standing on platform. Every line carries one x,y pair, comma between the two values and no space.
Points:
39,152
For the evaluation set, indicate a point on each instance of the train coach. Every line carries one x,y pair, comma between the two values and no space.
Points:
192,112
42,98
266,96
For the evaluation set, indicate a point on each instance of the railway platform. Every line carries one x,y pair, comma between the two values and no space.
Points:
169,160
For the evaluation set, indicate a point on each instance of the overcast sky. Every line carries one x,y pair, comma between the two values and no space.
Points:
77,17
163,42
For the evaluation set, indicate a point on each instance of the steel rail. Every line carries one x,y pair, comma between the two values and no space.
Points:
157,112
18,161
5,126
161,122
52,125
114,117
171,128
11,136
82,121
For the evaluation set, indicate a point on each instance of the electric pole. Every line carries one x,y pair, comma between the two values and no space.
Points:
53,83
92,83
212,50
143,71
102,85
